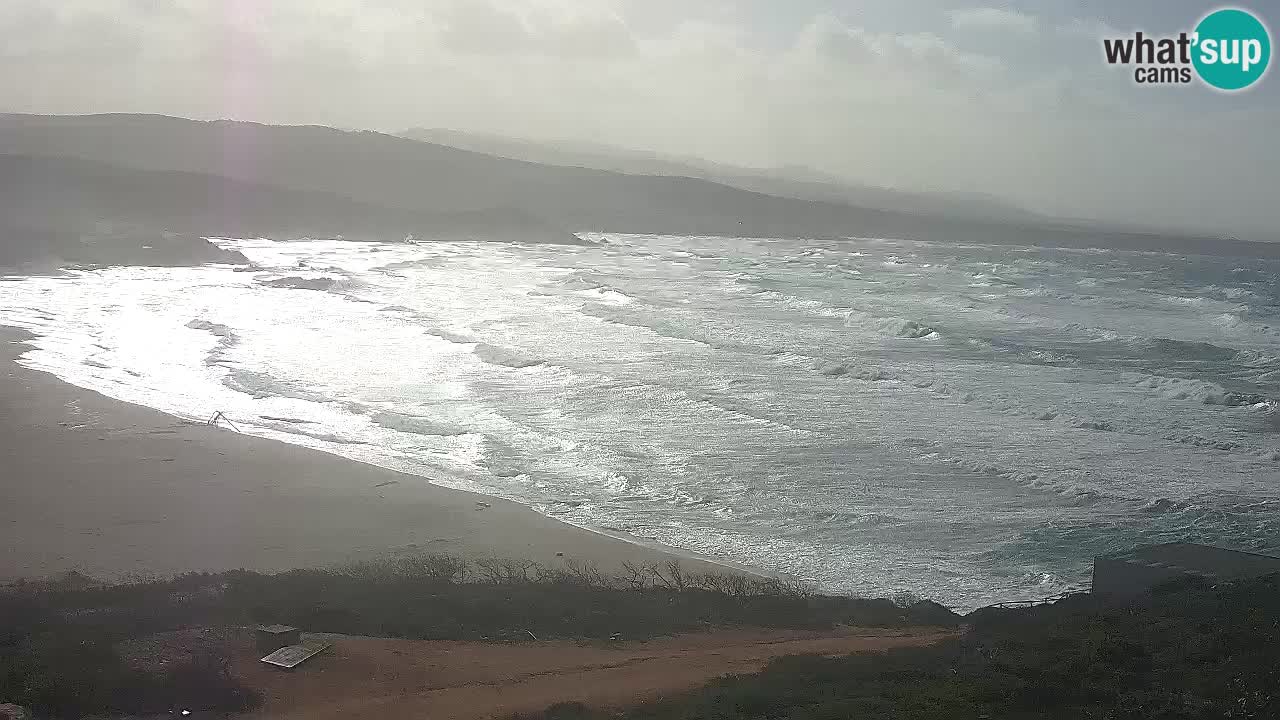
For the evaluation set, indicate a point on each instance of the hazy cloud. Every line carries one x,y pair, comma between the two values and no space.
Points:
556,29
1093,28
917,100
923,53
998,18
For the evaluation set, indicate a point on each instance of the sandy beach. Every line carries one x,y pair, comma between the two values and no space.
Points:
114,490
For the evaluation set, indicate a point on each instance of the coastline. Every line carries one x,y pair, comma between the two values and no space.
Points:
115,490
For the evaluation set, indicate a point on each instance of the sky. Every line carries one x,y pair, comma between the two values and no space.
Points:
1009,99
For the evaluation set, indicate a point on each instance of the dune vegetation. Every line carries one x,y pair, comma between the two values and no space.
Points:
63,644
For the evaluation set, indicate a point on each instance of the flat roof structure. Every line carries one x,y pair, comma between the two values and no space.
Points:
292,656
273,637
1139,570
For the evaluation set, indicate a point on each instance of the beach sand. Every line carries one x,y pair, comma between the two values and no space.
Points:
114,490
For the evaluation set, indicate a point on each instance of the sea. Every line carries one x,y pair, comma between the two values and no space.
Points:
966,423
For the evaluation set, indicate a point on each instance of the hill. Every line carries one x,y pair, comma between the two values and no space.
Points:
395,173
792,182
57,208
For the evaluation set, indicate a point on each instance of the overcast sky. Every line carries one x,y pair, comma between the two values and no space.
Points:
1008,99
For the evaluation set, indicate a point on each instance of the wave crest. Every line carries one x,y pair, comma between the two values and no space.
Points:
499,356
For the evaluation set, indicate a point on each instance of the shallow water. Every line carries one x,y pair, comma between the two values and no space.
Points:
970,424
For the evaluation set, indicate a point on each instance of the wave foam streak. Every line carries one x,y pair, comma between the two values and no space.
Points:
967,423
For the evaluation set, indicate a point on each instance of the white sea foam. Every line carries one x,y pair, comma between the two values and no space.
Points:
813,406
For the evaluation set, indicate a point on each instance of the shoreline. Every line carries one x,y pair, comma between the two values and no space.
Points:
115,490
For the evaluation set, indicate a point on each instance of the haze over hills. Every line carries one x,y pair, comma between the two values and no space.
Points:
793,181
306,177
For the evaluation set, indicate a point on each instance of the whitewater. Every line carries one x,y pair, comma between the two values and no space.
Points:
970,424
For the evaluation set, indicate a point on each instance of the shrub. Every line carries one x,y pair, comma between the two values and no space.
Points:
1189,651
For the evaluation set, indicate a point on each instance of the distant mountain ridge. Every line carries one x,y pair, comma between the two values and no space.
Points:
380,184
794,182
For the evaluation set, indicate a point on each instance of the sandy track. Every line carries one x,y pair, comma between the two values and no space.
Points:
391,679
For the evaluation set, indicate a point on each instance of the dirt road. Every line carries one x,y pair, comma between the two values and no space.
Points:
393,679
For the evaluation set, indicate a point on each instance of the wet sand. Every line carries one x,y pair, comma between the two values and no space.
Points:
113,490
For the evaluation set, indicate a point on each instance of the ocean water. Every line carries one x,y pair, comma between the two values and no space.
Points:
970,424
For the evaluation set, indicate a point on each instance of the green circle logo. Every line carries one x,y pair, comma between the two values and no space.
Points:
1232,49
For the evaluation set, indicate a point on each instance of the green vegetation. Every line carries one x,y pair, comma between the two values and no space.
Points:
64,646
1190,651
439,597
59,656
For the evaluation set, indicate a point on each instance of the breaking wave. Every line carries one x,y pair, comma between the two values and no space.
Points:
506,358
1201,391
968,422
417,425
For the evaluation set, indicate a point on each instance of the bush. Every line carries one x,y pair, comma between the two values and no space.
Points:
1190,651
59,640
58,652
442,597
69,671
